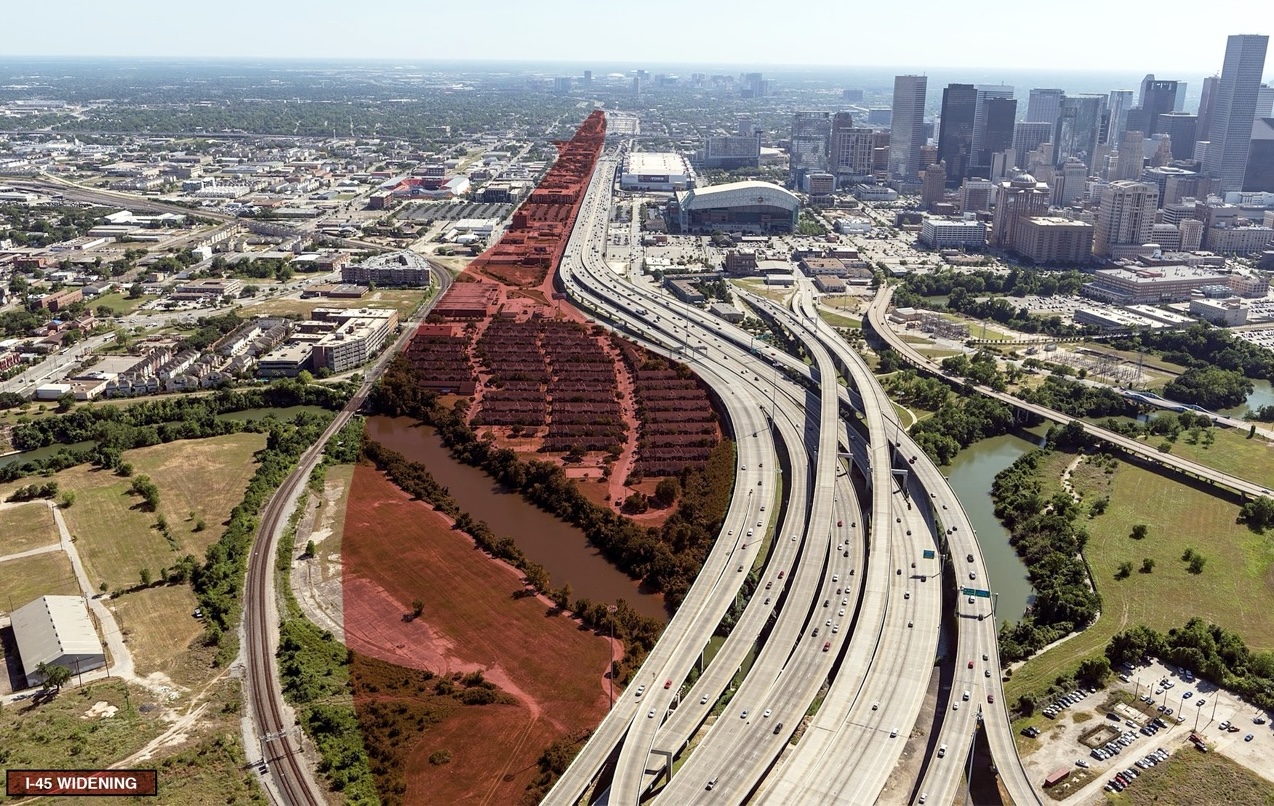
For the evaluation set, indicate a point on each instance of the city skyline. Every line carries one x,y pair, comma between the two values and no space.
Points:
527,32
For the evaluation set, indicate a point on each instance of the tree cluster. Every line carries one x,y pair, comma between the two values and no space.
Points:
1210,387
959,423
1211,652
1045,535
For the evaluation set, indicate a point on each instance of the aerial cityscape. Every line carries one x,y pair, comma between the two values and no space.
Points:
616,424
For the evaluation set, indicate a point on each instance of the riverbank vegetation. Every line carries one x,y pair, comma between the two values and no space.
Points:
1115,497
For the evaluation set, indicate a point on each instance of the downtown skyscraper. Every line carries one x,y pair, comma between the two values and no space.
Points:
907,134
1230,129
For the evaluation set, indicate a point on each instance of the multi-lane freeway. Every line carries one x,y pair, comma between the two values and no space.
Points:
851,607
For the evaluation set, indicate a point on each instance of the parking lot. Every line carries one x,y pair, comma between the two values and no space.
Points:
1101,736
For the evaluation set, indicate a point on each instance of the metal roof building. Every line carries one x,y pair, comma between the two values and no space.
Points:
56,630
747,206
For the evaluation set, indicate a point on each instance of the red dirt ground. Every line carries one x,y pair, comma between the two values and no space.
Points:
396,550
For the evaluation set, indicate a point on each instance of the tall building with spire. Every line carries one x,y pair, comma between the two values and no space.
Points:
1230,131
907,134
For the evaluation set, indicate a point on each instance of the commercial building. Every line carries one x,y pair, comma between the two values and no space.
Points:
747,206
56,631
808,145
976,195
1125,218
212,288
1079,128
941,233
851,152
1182,130
1030,135
60,300
1051,240
1225,312
1259,173
1043,106
955,137
285,361
405,268
685,291
730,151
358,336
1230,130
660,172
993,121
907,133
1137,285
1239,240
1018,199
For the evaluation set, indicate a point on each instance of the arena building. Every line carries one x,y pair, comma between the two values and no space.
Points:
748,206
656,172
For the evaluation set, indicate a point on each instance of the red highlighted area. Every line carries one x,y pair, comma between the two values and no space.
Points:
476,619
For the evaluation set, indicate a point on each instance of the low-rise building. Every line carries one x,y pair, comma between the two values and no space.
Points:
685,291
211,288
1225,312
285,362
939,233
358,336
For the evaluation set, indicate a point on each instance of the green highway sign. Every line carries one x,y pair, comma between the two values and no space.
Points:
968,592
928,554
982,593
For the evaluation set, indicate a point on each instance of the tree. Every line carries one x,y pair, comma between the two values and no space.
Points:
1094,670
309,549
1125,570
54,676
145,575
1140,531
1147,565
305,377
66,500
1196,563
666,491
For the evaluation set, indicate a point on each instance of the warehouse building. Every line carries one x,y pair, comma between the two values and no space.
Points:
56,630
747,206
656,172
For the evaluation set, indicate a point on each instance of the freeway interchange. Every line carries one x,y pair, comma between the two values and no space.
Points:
849,598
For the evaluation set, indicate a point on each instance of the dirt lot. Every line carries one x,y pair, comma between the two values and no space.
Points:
395,551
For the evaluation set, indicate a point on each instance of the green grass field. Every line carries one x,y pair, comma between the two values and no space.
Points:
116,540
836,320
119,303
1232,453
48,574
1235,590
159,628
1189,778
26,526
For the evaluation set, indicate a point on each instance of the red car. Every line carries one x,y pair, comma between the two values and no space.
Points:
827,645
990,698
840,523
781,574
668,684
970,664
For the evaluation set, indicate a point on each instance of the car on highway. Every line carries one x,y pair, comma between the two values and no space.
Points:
711,784
827,645
893,734
668,683
767,713
778,728
990,698
641,690
650,714
970,664
744,715
703,700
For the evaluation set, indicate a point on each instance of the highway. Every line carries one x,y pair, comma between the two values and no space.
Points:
290,780
876,319
882,661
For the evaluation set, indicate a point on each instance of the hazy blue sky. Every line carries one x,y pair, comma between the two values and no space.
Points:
1071,35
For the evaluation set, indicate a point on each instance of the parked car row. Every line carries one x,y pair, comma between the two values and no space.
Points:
1115,746
1056,706
1123,780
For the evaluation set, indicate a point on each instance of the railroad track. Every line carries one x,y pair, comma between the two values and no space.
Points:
279,738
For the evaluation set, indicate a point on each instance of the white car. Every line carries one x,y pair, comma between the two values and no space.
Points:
767,713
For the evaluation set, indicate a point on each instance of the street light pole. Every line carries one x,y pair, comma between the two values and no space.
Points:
610,609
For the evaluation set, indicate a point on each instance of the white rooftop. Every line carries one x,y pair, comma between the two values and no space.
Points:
53,627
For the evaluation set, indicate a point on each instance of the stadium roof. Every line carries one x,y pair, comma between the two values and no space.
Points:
53,627
747,193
